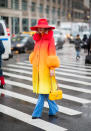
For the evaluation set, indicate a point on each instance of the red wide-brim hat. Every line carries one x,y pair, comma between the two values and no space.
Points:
42,23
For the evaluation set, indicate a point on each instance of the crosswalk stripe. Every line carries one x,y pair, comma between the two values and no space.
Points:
17,76
22,85
74,71
74,75
57,72
62,109
76,65
28,119
59,78
69,64
73,81
65,96
75,68
74,88
83,72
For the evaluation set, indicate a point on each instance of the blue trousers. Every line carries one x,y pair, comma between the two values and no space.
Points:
77,53
53,108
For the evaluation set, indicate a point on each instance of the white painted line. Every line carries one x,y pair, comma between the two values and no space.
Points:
74,71
59,69
17,76
73,81
28,119
57,72
18,66
29,87
62,109
76,99
74,88
76,65
74,75
18,84
76,68
18,70
59,78
65,96
68,66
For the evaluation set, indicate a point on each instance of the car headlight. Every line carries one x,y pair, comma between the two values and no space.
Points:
20,45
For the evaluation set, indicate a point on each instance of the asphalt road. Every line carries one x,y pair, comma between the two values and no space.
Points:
74,78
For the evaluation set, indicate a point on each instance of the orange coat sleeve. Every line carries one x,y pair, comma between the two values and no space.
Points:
31,57
52,60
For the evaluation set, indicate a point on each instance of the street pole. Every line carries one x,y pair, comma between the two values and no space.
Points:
90,18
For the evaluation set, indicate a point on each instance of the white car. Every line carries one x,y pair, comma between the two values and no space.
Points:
59,39
5,37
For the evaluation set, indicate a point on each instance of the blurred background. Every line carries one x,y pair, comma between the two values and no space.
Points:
70,17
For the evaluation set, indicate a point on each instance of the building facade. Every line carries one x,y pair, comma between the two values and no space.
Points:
19,15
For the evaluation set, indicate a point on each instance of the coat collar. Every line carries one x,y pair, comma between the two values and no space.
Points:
46,36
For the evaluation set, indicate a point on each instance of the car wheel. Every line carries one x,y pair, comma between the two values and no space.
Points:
25,50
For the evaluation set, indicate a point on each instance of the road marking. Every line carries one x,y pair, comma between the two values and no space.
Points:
57,72
17,76
81,66
77,71
22,85
74,88
74,75
65,96
59,78
62,109
73,81
28,119
75,68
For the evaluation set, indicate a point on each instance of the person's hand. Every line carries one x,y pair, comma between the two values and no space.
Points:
52,73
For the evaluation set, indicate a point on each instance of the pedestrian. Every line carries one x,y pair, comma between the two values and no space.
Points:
78,46
89,45
84,40
44,62
2,81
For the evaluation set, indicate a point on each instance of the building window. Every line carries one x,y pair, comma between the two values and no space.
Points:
53,10
33,22
6,20
58,11
24,4
4,3
59,1
1,30
54,1
15,25
25,24
33,8
15,4
41,8
47,9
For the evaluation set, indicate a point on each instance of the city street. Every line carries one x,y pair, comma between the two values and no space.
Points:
74,78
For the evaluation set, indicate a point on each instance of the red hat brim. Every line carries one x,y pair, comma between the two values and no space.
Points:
41,26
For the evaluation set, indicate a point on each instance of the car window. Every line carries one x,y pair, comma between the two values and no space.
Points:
56,32
1,30
19,39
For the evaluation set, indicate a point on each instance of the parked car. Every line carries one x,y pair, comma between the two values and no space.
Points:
22,43
6,39
59,39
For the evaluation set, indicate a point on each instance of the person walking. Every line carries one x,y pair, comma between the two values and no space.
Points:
44,62
89,44
2,81
84,40
77,46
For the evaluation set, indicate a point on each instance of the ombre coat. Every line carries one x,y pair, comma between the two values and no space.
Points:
43,59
